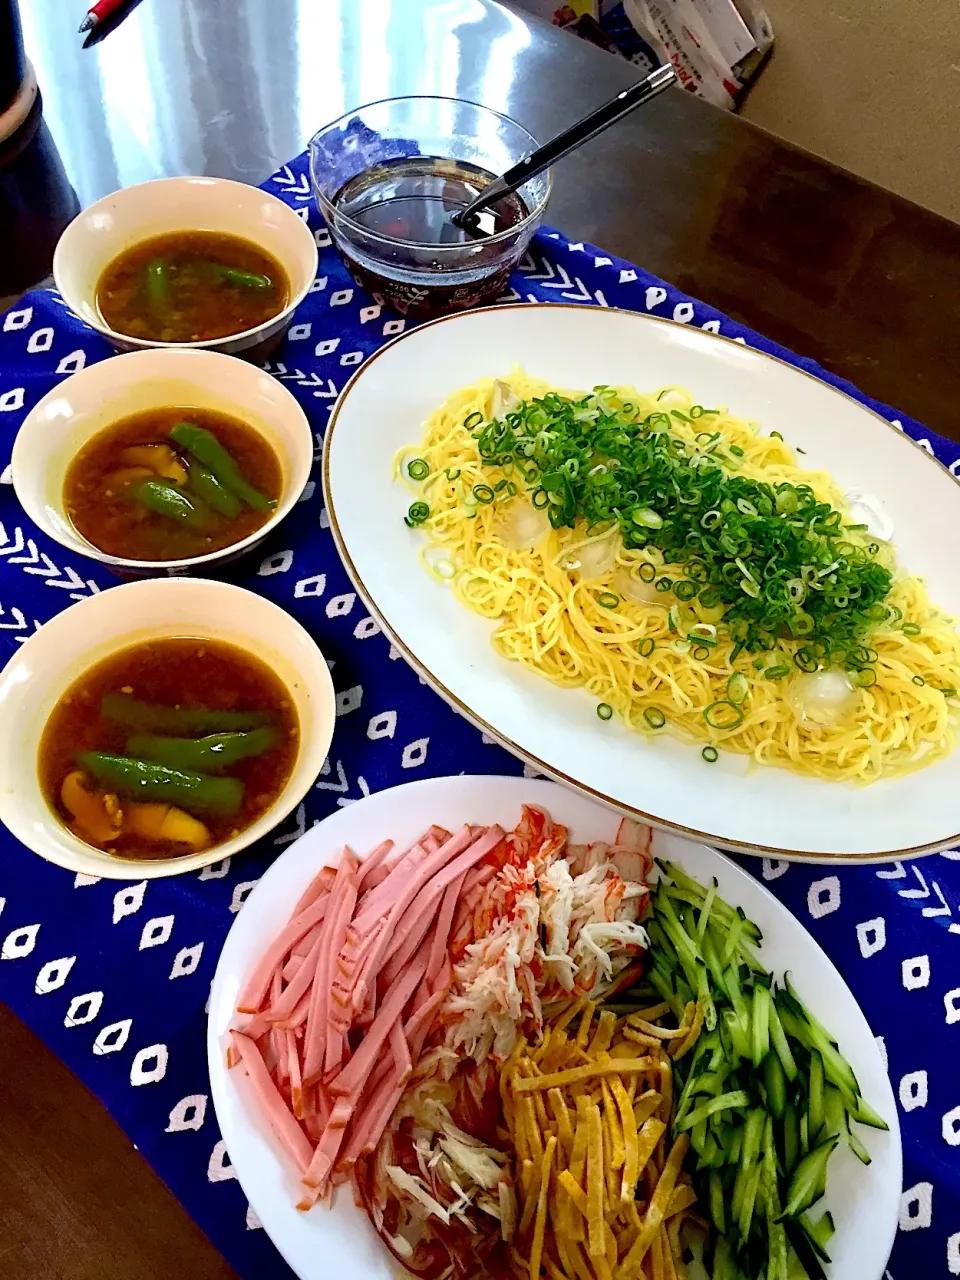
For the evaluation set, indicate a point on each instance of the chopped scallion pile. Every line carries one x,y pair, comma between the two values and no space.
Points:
778,562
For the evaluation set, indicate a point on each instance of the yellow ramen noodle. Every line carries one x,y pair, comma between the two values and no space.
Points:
546,601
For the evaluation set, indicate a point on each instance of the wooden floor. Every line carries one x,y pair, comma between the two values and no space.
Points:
77,1202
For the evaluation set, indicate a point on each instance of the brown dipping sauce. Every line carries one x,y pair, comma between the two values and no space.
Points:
180,673
97,502
191,286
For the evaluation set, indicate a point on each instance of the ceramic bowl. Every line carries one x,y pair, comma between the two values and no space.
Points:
65,419
130,215
47,664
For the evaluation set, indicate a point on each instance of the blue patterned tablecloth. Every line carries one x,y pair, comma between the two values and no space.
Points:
115,976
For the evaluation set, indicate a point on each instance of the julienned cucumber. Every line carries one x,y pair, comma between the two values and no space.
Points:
766,1095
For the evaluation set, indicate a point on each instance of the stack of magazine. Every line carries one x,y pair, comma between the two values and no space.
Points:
716,47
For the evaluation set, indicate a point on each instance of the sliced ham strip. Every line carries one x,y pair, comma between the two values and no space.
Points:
352,1078
319,885
258,984
432,875
400,1048
274,1108
291,968
411,931
379,901
284,1004
376,1116
372,862
405,882
302,948
327,1150
298,1015
333,1056
438,949
343,898
294,1074
417,1027
376,877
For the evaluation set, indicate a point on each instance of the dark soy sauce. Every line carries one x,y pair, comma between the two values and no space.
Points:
406,249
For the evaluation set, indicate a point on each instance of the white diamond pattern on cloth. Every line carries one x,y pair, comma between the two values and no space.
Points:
115,977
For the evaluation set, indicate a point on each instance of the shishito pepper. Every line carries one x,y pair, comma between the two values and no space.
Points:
243,279
209,489
158,285
215,752
207,449
167,500
144,780
149,717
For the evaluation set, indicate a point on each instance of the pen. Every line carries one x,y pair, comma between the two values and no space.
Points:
100,11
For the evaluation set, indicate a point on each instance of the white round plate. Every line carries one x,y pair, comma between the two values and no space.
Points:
664,782
324,1243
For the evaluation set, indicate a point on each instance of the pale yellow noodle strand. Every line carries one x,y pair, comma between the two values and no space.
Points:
551,621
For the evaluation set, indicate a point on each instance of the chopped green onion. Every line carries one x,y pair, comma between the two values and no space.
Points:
648,518
777,672
919,680
483,493
710,754
608,600
772,559
910,629
775,435
418,512
723,715
604,710
738,686
418,469
866,678
949,692
654,717
452,473
647,646
473,420
700,652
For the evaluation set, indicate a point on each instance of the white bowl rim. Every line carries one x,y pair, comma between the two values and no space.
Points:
113,867
160,568
210,344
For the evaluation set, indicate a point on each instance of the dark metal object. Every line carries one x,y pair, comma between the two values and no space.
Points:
592,124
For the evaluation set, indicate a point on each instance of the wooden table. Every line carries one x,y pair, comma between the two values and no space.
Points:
859,279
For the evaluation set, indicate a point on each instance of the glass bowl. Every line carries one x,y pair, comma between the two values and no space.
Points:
388,178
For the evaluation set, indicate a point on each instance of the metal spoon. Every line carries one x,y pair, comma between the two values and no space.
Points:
560,146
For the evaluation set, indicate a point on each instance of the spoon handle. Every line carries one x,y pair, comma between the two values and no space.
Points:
571,138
